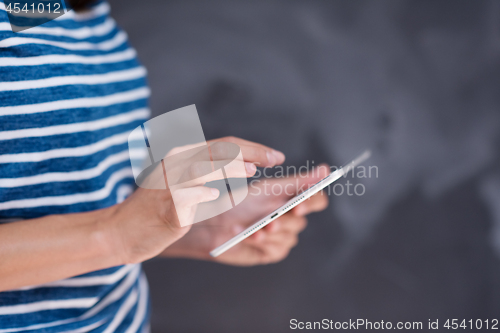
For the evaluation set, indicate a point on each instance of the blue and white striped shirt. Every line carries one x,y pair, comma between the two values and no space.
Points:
71,90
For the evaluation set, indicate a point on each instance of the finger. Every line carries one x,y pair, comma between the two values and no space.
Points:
180,149
204,172
240,141
264,252
223,150
219,152
256,153
227,148
185,197
247,255
316,203
258,236
261,156
285,224
292,223
274,226
276,250
288,239
202,164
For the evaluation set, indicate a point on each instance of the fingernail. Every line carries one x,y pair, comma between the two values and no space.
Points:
215,192
271,158
280,157
250,167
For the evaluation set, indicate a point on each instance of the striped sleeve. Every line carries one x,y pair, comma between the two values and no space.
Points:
71,90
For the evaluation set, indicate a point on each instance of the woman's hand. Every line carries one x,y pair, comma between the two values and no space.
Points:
268,245
148,221
54,247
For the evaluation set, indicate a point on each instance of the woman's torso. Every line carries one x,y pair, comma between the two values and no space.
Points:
70,92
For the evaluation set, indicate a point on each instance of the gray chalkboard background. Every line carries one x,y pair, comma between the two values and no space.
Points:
418,81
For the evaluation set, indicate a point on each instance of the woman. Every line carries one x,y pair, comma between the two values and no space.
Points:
70,243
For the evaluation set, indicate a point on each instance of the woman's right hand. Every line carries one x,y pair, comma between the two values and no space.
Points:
55,247
147,222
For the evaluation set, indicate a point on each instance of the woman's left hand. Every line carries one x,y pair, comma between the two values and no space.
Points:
268,245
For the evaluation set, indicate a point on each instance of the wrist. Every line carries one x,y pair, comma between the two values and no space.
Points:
106,237
135,232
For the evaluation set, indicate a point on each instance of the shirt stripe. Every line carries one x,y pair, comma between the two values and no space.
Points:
116,295
71,91
66,152
68,59
74,128
122,97
106,45
124,75
71,198
49,305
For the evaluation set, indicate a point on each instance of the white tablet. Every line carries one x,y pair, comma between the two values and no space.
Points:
335,175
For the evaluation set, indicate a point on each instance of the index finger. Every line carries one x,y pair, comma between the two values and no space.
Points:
253,152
